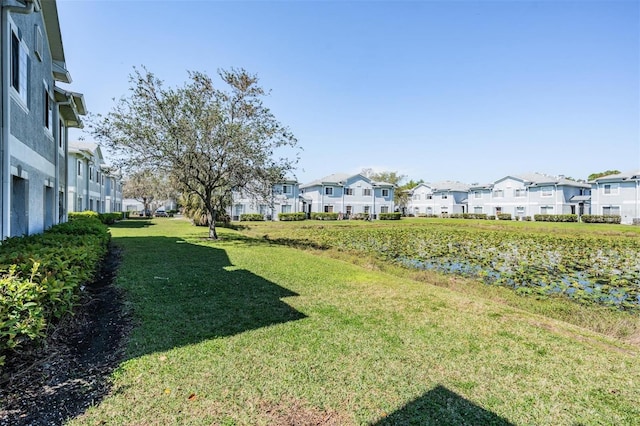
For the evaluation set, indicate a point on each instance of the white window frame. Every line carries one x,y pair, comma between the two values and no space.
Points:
385,192
611,188
546,191
384,209
519,192
20,93
285,208
287,189
498,193
477,194
47,107
328,208
328,190
547,210
477,209
79,168
610,213
348,191
366,192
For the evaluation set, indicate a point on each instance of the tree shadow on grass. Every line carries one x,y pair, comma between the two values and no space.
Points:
185,293
143,222
440,406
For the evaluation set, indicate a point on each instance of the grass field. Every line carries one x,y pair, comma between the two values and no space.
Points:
244,331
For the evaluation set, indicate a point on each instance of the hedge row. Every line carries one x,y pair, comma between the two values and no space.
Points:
106,218
251,217
324,216
289,217
598,218
390,216
42,276
555,217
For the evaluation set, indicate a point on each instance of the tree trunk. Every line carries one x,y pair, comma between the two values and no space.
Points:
213,235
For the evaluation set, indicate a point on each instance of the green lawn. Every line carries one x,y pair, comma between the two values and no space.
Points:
242,331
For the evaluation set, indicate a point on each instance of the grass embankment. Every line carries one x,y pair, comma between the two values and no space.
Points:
242,331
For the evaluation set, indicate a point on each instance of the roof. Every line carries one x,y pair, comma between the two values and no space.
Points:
54,36
71,106
338,179
449,185
539,179
580,198
88,149
635,174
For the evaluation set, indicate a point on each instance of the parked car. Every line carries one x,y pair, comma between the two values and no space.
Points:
161,213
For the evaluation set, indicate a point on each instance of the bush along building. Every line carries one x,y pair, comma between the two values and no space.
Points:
282,198
617,195
36,114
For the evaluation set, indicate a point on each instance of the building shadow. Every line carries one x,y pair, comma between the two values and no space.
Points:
194,293
440,406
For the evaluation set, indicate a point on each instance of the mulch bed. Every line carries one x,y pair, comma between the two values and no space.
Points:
70,372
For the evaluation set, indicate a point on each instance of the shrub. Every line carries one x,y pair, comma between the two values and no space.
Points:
251,217
324,216
289,217
360,216
42,277
109,218
595,218
555,217
491,217
83,215
527,218
390,216
504,216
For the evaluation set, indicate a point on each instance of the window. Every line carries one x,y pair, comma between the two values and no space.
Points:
19,67
91,173
477,194
416,197
384,209
286,189
445,196
546,210
367,209
477,209
79,168
416,210
348,191
429,210
286,208
61,135
520,192
520,211
385,193
328,191
547,191
349,210
328,209
366,192
498,193
48,108
428,197
611,210
610,188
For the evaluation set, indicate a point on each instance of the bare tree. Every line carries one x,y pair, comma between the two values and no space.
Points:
210,142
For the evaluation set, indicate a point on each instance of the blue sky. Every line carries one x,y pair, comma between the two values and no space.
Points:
468,91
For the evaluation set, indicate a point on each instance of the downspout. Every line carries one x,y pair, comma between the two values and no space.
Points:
4,139
65,194
56,150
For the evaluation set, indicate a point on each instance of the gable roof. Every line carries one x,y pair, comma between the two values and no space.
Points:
86,149
338,179
449,185
632,175
539,179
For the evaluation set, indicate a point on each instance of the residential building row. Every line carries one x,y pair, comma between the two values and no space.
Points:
522,195
36,113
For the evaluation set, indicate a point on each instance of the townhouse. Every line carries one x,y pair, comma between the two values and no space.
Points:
91,184
347,194
36,114
530,194
440,198
617,195
284,197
